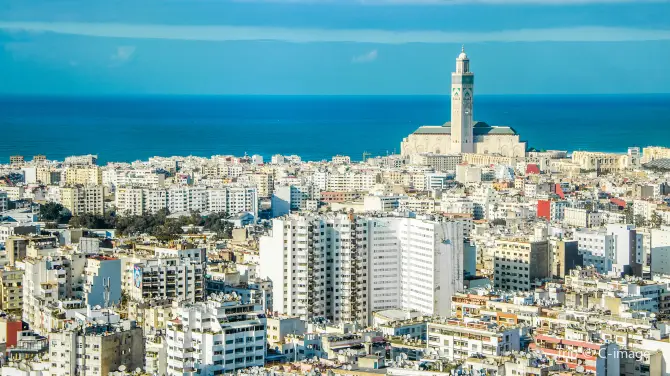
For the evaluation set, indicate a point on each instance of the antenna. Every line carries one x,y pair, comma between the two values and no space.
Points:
106,284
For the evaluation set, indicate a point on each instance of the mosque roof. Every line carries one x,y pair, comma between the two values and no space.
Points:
479,128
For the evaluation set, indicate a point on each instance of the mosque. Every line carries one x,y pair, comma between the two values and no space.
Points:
462,134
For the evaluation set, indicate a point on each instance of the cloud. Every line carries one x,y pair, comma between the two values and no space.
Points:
123,54
366,57
302,35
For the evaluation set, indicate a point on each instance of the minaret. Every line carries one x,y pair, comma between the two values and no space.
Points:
462,85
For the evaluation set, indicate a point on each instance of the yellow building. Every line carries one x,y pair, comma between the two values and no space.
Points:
77,175
11,291
83,199
651,153
603,162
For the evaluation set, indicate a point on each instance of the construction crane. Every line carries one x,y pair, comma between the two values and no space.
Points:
366,155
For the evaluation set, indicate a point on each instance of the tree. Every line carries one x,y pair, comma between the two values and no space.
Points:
54,212
628,212
639,220
656,220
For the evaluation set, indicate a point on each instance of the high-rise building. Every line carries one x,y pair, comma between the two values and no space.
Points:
344,268
215,337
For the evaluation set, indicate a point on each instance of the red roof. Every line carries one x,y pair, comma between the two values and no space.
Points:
532,169
618,202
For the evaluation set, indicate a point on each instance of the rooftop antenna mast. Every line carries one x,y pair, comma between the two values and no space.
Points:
106,284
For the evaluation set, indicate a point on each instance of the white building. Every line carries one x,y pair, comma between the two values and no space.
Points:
344,268
440,162
462,134
96,349
217,336
597,247
170,274
627,251
458,340
230,199
288,198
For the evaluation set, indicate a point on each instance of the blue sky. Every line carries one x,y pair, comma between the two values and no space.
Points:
407,47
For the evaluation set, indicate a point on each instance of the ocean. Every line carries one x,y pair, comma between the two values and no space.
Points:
314,127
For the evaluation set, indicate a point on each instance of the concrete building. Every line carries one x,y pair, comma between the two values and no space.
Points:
99,271
520,265
462,134
597,248
440,162
289,198
4,201
231,199
82,199
11,293
344,268
218,336
96,349
660,251
82,175
628,250
169,274
600,359
564,255
458,340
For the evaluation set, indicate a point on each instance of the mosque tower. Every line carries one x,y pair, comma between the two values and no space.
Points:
462,85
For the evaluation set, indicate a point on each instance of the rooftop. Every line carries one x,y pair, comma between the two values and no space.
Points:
480,128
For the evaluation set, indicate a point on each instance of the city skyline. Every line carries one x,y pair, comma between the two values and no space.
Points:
332,48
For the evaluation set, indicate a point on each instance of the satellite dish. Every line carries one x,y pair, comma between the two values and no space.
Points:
579,369
122,368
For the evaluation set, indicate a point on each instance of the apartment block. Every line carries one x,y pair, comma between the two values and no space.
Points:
520,264
215,337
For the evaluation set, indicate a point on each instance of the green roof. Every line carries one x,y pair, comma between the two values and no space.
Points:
480,128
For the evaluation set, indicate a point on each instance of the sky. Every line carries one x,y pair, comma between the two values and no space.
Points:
332,47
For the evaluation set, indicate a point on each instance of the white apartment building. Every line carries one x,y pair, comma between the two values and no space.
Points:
344,268
579,217
457,205
170,274
216,337
417,204
341,159
288,198
231,199
520,263
351,181
597,247
431,264
47,280
132,178
628,250
96,349
458,340
379,203
440,162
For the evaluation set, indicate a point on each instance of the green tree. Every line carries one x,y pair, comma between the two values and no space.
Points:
54,212
639,220
656,220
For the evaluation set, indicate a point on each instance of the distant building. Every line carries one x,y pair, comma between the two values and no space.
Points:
462,134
